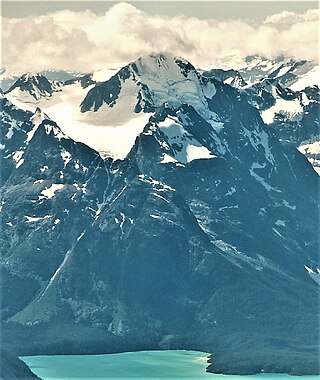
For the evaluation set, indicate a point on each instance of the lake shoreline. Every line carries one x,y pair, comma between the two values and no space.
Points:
151,364
199,358
231,356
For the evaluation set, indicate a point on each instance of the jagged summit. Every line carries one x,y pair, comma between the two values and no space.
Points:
161,65
139,89
293,73
152,79
148,83
39,116
35,84
232,77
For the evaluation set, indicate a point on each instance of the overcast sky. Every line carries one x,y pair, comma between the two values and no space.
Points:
85,36
220,10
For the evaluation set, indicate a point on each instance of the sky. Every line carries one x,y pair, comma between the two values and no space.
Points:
87,36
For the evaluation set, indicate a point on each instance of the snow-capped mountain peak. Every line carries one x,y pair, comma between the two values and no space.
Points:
231,77
38,117
36,85
164,67
150,81
140,88
118,109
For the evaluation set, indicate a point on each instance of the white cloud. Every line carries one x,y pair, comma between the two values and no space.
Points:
287,18
85,41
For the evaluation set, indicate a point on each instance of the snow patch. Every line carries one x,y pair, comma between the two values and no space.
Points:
231,191
50,192
292,109
195,152
80,236
44,168
256,165
304,99
66,156
311,149
283,71
167,159
184,147
110,130
56,131
277,232
123,218
309,270
32,219
9,134
281,223
18,155
315,275
228,207
287,204
31,133
257,139
103,75
161,197
18,158
157,185
311,78
20,163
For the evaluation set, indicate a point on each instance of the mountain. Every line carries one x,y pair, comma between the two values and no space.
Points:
201,234
232,77
35,85
293,114
13,368
286,92
148,83
8,78
296,74
61,75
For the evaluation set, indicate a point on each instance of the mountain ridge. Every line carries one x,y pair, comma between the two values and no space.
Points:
200,235
269,95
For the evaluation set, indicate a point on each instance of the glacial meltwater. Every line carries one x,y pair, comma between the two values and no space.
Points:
151,365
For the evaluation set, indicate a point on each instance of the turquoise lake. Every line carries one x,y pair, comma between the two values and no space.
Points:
151,365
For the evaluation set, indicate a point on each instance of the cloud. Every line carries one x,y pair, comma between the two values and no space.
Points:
85,41
289,18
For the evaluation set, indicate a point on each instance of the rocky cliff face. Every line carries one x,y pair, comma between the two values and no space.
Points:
203,237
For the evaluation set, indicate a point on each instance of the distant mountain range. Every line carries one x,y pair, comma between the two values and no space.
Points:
163,206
